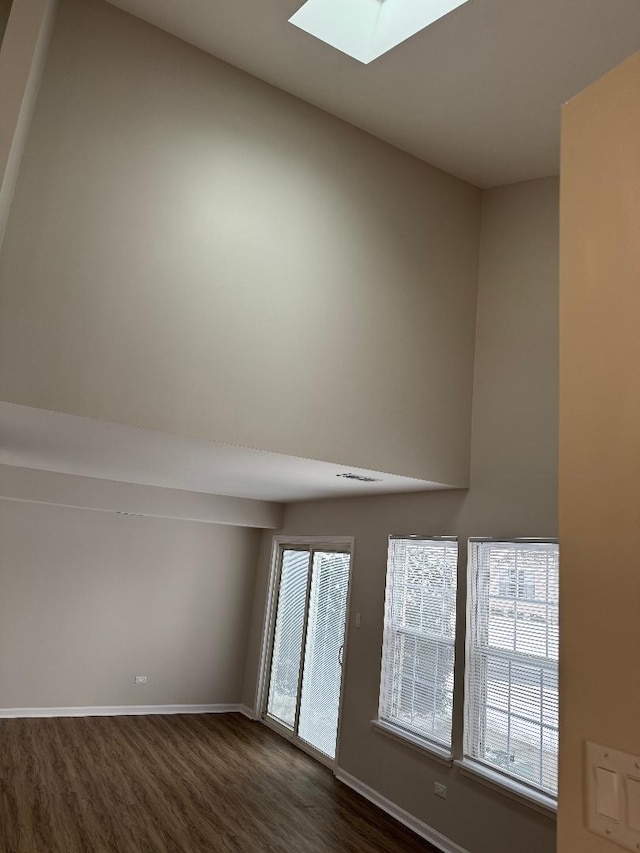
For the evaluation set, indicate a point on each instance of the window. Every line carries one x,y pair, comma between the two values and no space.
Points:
365,29
416,692
511,706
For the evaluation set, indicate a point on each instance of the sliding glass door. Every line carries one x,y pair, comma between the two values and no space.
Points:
305,676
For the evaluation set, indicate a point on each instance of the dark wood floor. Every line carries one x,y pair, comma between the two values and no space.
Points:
183,784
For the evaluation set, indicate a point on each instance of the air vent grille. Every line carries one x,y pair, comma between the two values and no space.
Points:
361,478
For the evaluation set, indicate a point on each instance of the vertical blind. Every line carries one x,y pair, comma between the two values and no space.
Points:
511,705
416,690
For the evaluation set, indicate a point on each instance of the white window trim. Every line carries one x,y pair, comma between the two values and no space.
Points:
427,747
507,785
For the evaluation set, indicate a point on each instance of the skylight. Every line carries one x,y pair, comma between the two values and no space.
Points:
365,29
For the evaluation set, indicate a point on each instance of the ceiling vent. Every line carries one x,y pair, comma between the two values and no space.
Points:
361,478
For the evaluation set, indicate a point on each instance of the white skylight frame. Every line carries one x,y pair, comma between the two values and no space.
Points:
365,29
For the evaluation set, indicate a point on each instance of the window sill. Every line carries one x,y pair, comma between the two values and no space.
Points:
432,750
536,800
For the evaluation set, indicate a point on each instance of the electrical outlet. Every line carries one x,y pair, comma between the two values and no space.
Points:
140,679
440,790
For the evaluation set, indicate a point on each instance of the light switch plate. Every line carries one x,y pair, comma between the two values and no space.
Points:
613,795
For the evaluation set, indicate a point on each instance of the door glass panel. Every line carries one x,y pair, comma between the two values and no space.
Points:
289,630
320,700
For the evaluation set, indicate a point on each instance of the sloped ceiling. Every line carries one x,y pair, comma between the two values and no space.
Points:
477,94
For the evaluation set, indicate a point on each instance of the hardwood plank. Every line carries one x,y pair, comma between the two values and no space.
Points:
177,784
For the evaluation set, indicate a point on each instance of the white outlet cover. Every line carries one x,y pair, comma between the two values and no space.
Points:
140,679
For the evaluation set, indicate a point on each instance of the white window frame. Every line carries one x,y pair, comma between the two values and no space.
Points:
412,737
472,766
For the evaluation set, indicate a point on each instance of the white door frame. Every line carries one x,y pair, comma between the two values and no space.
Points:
279,543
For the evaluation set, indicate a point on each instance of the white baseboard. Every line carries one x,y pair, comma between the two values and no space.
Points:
119,711
248,712
435,838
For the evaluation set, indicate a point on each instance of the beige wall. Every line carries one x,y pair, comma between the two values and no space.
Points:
599,436
31,484
5,8
89,600
192,250
25,30
513,493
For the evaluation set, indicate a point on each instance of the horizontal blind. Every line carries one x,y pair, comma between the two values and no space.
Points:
511,705
416,691
287,645
322,673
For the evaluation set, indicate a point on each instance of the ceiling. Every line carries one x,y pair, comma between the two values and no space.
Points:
477,94
68,444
